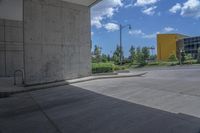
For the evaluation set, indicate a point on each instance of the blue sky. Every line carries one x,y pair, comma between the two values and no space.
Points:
147,17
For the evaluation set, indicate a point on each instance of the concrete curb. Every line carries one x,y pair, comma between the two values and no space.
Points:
68,82
106,77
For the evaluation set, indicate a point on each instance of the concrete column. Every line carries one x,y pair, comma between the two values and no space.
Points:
57,41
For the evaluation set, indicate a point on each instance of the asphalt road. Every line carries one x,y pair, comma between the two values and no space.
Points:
164,101
175,90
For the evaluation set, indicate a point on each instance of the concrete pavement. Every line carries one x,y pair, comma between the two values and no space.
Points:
6,84
164,101
176,91
70,109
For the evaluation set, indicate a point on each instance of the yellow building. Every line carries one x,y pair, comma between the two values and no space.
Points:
166,45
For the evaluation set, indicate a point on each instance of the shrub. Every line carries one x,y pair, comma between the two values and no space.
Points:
116,68
140,60
172,58
106,67
155,63
188,59
102,67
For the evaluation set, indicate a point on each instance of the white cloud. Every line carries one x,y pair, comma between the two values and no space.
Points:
145,2
191,8
175,8
128,5
147,5
149,11
92,33
103,10
136,32
111,27
151,36
140,33
168,29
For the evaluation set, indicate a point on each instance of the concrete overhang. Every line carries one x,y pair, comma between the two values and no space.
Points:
84,2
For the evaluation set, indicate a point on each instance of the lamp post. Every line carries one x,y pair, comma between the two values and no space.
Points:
181,56
121,27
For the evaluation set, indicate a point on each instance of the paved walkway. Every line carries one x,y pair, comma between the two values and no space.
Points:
175,91
164,101
6,84
70,109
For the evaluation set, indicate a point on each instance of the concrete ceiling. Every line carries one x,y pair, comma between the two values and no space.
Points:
11,9
83,2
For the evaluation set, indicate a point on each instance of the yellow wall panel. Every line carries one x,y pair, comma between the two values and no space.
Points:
166,45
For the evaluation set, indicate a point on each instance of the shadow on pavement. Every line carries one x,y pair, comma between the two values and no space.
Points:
69,109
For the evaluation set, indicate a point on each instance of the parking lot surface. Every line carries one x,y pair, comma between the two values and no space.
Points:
163,101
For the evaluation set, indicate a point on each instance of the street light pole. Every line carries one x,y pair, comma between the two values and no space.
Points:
120,36
120,43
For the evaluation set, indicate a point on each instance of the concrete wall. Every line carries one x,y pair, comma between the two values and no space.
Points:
57,41
11,46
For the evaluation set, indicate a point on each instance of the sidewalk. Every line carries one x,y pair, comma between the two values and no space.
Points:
71,109
7,87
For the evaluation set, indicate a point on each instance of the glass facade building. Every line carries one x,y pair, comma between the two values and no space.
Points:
190,45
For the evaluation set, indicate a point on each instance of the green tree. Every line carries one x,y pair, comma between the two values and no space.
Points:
97,53
153,57
138,55
104,58
140,58
132,54
138,50
121,53
116,55
109,58
146,53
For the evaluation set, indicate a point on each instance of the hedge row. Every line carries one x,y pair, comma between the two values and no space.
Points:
105,67
102,67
